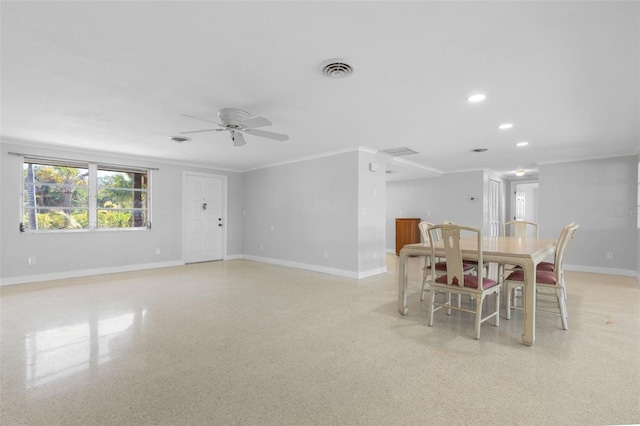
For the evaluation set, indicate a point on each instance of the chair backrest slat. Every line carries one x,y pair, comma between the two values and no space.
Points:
452,252
424,230
564,243
519,228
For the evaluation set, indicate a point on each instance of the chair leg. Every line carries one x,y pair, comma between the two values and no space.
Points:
563,308
424,282
431,307
501,273
479,315
509,290
496,318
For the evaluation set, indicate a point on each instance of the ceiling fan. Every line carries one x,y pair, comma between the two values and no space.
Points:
237,122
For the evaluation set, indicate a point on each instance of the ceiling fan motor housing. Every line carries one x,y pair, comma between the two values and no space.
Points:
232,116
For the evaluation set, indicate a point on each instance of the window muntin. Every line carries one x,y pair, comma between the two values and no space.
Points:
55,196
61,195
122,198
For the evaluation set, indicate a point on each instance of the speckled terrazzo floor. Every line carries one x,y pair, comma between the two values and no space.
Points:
247,343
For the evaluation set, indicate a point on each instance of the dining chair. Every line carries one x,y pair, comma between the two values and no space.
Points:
440,265
515,228
519,228
456,281
547,282
485,265
550,266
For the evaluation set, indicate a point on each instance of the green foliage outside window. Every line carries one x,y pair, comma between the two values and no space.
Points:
57,197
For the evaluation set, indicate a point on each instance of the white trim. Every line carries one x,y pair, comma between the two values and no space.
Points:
234,257
310,157
150,158
317,268
600,270
418,166
578,160
372,272
87,272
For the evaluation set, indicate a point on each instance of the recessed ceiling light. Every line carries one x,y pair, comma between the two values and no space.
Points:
520,172
505,126
479,150
180,139
477,98
523,143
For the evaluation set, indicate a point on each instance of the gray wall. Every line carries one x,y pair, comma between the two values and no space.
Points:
60,254
599,195
372,203
435,200
304,213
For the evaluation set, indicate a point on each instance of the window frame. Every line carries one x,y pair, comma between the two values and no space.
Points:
92,189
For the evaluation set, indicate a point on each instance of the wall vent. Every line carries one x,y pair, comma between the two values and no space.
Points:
398,152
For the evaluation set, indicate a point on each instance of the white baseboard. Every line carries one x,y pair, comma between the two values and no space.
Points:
234,257
600,270
86,272
317,268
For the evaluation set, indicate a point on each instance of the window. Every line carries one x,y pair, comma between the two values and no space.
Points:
122,198
59,195
55,196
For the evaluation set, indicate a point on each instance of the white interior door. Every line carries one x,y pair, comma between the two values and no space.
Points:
204,221
495,188
521,198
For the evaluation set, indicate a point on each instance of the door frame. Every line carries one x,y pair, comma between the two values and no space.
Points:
512,199
185,206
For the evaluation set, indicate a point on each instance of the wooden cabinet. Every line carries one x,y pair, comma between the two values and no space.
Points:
407,232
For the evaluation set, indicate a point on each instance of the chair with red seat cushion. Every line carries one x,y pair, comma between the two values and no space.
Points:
547,282
519,229
456,281
441,266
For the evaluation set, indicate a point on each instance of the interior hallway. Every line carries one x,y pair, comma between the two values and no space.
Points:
243,342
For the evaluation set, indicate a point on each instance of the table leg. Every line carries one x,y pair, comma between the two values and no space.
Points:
529,332
403,277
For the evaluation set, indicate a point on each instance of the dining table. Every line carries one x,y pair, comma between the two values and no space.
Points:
523,252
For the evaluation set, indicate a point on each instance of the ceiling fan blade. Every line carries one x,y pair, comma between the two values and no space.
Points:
200,131
202,119
251,123
265,134
238,139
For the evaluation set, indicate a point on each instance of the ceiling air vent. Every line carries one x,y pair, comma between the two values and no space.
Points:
337,68
398,152
179,139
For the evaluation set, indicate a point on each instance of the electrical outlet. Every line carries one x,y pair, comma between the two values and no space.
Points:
272,227
32,261
261,247
609,255
157,250
326,254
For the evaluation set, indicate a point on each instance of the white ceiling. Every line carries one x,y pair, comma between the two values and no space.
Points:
116,76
